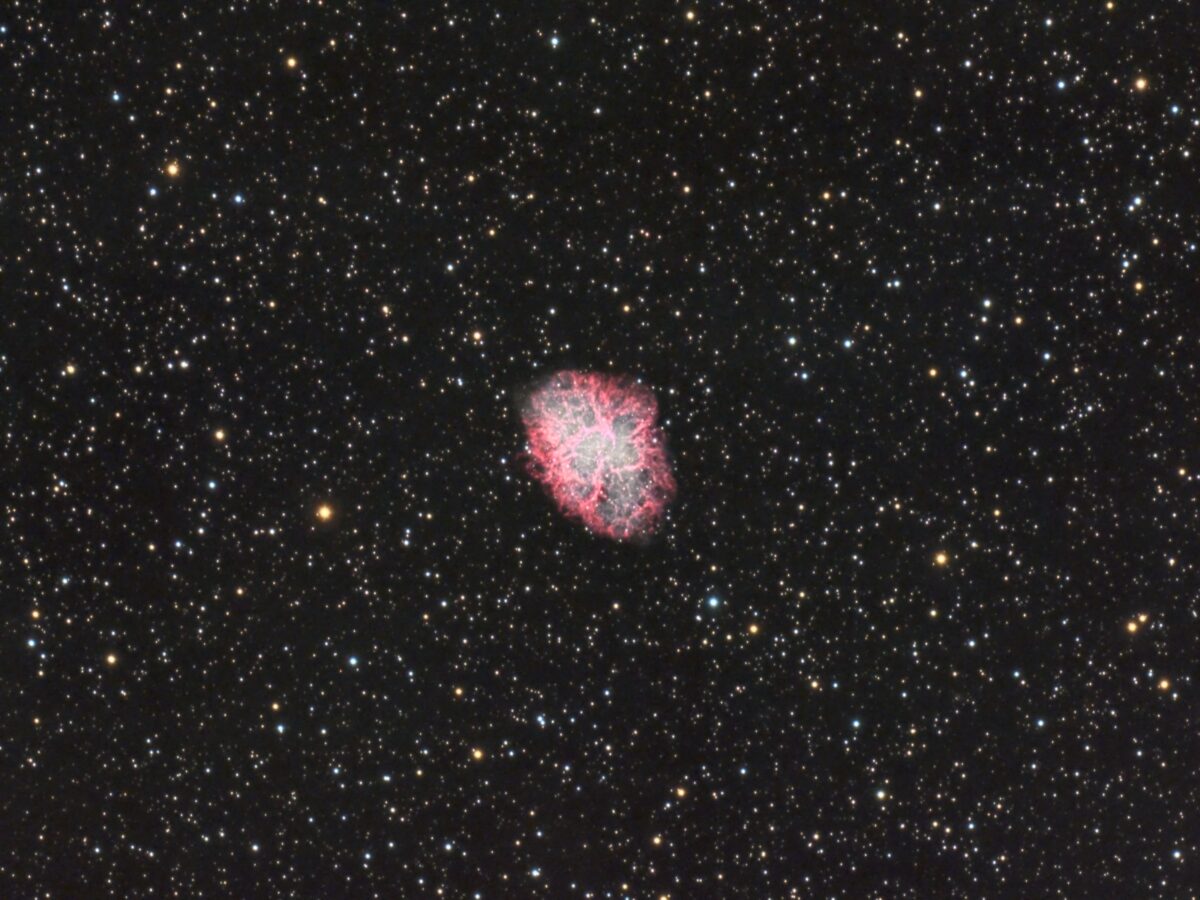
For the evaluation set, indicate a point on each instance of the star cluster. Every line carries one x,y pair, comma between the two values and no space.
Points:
911,284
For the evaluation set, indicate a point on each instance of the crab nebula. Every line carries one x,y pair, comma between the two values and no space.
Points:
595,445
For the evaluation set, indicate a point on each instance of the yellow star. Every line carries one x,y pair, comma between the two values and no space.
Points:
324,512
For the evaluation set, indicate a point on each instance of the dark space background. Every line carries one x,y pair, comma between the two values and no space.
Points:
914,285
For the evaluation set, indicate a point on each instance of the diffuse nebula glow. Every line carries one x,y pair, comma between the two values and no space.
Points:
595,444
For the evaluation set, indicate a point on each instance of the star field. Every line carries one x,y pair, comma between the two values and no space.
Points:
286,617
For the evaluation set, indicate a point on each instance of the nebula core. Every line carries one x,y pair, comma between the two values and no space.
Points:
595,445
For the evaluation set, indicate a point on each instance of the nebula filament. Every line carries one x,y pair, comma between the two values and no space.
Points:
595,445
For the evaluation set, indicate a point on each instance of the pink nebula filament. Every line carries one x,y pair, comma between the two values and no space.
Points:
595,444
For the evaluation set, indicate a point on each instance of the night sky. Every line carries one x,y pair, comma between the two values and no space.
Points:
287,613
